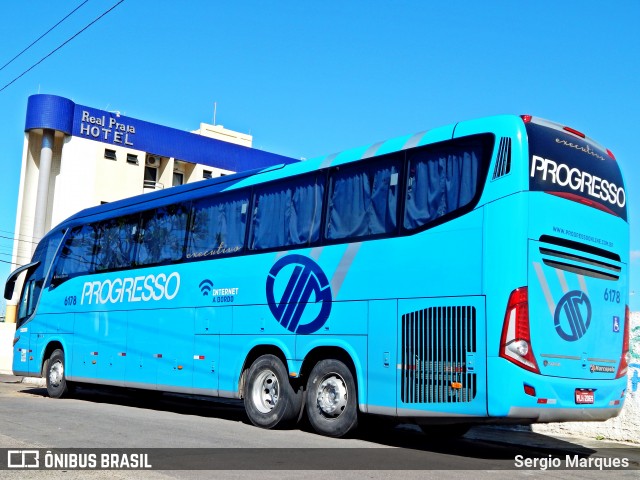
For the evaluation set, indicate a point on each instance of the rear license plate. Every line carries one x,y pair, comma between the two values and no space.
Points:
584,396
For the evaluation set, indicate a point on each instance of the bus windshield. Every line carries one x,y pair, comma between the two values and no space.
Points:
574,167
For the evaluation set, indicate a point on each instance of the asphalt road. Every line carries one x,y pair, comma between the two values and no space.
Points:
118,419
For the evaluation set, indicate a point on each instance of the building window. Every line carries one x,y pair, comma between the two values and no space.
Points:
207,174
110,154
131,158
178,178
150,177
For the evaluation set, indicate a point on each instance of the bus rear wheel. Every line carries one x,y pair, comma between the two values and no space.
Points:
331,402
57,385
270,400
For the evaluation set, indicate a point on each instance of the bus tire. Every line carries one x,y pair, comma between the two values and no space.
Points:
332,400
57,386
270,400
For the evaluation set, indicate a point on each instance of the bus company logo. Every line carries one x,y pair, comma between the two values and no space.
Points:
573,315
547,170
602,369
307,279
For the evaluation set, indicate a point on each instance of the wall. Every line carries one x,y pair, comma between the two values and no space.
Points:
625,427
7,331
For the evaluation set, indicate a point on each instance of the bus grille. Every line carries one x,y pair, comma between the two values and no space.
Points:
570,257
435,344
503,160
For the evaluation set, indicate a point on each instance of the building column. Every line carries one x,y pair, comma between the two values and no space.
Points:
42,197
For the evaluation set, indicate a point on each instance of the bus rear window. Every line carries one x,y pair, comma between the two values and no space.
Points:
566,164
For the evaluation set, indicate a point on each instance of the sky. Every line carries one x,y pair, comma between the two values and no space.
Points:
314,78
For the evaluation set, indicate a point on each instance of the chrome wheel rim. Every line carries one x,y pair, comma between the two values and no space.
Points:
332,395
56,374
265,391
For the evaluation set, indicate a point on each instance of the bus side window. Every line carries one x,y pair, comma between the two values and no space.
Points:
116,243
77,254
363,200
218,225
162,236
287,213
440,182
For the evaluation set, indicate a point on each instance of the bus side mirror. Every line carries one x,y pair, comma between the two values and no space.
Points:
11,280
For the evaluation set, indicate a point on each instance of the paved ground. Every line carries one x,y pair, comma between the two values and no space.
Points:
116,419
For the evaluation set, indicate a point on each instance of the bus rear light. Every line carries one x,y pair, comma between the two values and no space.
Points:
15,340
515,343
547,401
526,118
529,390
614,403
610,153
585,201
574,131
624,357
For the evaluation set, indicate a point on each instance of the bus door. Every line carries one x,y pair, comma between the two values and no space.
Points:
442,356
209,323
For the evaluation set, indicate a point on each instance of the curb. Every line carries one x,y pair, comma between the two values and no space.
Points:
39,382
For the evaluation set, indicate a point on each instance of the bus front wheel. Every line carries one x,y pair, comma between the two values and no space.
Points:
270,400
57,385
331,402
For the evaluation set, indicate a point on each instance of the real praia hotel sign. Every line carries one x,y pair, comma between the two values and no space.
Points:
107,129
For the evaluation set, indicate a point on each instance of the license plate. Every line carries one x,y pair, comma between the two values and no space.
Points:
584,396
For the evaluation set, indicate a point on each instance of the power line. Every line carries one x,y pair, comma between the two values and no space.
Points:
19,240
10,263
42,36
58,48
17,234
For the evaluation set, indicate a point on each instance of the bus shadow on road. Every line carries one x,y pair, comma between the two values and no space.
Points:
481,442
153,400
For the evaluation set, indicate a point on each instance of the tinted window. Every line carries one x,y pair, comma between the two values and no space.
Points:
218,225
116,243
443,179
287,213
34,281
76,256
163,235
363,200
561,162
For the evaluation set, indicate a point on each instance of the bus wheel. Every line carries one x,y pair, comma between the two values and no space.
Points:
270,401
57,386
332,399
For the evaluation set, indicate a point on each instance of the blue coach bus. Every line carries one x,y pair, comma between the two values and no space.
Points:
472,273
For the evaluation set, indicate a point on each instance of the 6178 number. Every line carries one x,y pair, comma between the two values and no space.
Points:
71,300
612,296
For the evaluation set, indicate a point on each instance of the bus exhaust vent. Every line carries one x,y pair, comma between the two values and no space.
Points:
503,161
438,346
579,258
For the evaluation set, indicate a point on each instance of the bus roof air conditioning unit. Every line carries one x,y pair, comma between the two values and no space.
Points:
153,161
